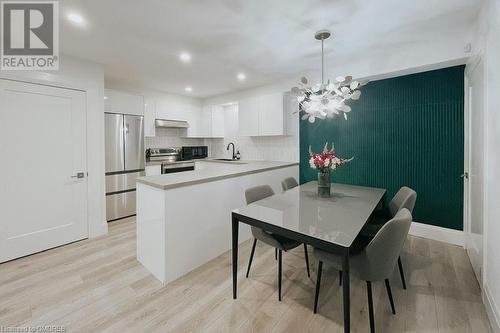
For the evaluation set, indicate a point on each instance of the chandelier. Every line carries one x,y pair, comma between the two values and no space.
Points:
325,100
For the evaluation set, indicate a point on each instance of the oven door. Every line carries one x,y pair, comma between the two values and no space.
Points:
176,167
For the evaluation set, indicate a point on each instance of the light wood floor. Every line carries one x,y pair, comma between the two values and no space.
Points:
98,286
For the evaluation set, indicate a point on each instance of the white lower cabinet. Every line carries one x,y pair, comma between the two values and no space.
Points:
153,170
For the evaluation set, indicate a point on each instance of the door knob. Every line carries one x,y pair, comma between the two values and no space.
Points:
79,175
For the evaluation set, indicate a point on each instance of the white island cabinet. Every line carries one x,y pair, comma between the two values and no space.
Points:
184,219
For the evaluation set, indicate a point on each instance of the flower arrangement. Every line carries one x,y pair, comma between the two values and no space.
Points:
326,161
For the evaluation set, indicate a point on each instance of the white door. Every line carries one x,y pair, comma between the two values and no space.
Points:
474,183
42,202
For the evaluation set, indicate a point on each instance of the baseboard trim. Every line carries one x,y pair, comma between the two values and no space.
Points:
491,309
441,234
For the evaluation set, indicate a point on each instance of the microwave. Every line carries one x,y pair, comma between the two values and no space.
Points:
194,152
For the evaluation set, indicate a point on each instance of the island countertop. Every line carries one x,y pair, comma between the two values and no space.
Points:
211,170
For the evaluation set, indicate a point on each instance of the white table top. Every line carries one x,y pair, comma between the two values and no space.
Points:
337,219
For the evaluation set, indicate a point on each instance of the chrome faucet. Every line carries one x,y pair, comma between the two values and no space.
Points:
234,155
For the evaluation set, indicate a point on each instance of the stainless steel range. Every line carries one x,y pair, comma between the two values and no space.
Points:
170,158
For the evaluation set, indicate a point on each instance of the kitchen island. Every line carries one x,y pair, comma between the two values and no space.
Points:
184,219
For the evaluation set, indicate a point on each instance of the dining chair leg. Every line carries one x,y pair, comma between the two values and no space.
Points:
370,306
251,256
389,293
403,280
275,253
318,283
307,260
340,278
280,260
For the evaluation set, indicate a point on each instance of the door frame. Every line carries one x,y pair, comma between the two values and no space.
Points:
15,78
467,107
468,89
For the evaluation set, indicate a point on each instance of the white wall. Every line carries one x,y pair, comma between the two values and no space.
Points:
490,36
83,75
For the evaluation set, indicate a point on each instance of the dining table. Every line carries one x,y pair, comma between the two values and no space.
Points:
330,224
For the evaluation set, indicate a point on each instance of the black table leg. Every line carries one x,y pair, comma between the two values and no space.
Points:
235,225
346,291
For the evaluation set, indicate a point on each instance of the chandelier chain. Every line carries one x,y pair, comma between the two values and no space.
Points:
322,62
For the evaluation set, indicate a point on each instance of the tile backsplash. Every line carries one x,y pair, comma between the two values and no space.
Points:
170,137
279,148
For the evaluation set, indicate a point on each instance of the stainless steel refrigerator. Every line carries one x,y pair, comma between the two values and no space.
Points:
124,146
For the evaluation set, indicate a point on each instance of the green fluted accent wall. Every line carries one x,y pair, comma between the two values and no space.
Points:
407,130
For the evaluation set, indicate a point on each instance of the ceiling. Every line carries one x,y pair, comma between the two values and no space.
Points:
139,42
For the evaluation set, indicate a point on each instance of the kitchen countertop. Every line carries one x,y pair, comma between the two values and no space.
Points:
211,170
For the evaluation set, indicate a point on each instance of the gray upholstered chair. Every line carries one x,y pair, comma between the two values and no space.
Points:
289,183
280,243
404,198
376,262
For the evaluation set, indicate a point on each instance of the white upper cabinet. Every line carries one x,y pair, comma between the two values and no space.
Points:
205,127
248,116
123,103
211,123
266,115
271,120
218,124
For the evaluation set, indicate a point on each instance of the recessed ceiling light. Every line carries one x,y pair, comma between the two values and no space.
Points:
241,76
77,19
185,57
188,89
106,97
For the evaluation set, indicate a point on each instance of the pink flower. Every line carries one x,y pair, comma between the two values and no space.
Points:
326,159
